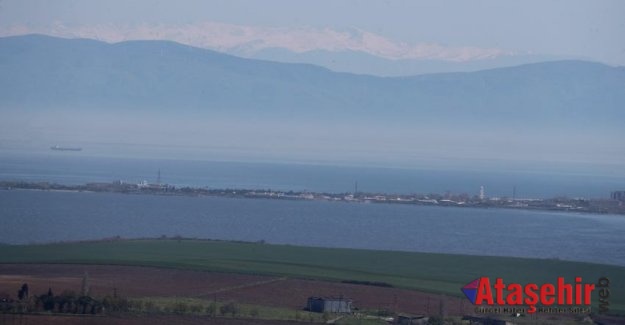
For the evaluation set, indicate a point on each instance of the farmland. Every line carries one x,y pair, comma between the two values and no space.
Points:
278,277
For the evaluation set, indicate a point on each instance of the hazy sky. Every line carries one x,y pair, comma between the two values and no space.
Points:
455,30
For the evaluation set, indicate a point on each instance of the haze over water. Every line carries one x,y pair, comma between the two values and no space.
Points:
531,182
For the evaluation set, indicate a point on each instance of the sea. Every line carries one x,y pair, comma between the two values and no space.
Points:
33,216
524,182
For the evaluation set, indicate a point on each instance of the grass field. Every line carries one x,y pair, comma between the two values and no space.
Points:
437,273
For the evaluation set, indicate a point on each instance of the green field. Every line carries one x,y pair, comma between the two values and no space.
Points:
437,273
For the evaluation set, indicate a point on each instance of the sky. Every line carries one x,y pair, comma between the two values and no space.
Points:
457,31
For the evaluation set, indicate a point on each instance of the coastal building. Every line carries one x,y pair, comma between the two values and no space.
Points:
618,195
329,304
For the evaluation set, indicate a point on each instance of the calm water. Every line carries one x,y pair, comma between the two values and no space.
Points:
76,168
39,216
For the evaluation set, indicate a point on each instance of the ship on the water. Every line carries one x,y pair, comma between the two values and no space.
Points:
59,148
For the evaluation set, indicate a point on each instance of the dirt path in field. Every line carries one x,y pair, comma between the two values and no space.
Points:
242,286
132,281
126,280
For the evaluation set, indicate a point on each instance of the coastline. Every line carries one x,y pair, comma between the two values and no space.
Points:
560,204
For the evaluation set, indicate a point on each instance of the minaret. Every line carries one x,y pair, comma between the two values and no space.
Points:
482,192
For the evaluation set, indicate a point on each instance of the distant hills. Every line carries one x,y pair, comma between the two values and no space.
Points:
365,63
195,102
158,76
340,49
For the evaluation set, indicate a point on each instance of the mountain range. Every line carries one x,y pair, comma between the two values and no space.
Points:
166,79
344,49
359,62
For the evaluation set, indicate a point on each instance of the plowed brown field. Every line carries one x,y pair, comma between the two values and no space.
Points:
260,290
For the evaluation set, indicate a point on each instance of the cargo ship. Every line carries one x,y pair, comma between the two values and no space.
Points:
58,148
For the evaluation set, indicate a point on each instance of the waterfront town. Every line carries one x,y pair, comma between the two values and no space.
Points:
614,204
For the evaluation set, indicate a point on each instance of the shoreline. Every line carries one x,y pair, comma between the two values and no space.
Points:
560,204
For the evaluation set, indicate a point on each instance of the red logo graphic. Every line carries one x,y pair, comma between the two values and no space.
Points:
481,292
